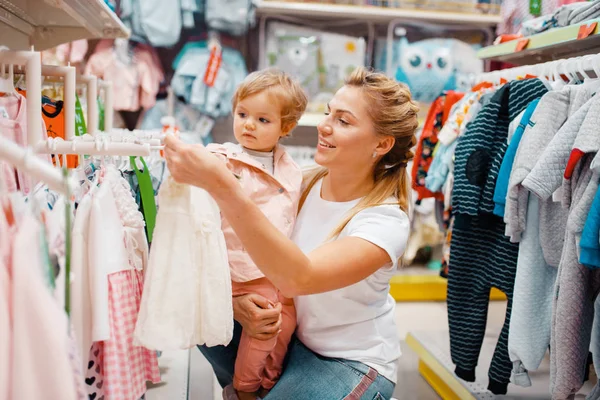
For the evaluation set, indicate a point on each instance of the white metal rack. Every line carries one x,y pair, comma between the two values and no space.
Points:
375,14
48,23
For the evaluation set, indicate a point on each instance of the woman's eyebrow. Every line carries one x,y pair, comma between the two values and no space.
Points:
340,110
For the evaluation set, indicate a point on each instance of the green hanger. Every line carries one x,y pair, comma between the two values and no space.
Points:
147,195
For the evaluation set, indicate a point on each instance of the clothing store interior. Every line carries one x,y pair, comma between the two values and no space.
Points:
299,199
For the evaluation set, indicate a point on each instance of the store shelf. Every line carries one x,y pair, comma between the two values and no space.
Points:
437,368
311,119
426,288
546,46
47,23
371,13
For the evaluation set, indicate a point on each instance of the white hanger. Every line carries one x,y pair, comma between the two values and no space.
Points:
7,83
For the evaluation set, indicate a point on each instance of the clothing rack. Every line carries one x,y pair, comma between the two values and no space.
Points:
107,88
98,145
587,66
31,61
24,160
92,94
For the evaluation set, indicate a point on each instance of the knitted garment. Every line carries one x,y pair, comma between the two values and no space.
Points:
480,255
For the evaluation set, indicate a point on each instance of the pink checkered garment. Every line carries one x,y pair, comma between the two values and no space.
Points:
126,367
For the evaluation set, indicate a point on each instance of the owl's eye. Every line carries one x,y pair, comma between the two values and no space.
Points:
442,63
415,61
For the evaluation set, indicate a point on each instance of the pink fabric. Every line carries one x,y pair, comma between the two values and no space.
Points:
39,325
15,128
5,308
136,84
126,367
260,362
277,197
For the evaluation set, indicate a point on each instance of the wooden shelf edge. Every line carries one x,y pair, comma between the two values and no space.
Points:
552,44
405,288
444,382
373,13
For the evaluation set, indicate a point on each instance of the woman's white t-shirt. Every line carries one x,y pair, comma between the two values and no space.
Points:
356,322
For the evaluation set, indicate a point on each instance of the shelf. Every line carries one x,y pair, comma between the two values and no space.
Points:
371,13
437,368
48,23
546,46
426,288
311,119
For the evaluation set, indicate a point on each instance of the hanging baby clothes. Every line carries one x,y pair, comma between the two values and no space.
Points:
542,226
116,253
136,73
481,256
571,151
39,325
187,294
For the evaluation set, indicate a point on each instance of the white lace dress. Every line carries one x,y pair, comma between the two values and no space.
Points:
187,292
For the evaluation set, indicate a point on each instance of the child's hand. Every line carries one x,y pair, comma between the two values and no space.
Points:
258,316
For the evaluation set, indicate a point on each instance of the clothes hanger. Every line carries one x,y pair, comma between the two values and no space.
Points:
7,83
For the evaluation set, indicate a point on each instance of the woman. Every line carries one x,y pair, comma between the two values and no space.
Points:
351,230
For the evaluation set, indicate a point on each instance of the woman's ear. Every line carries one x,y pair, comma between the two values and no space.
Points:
385,144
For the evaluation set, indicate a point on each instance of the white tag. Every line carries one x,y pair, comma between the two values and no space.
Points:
4,113
557,195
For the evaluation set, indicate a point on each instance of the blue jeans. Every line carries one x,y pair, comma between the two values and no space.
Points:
307,375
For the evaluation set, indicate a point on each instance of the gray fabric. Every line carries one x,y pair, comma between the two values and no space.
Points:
546,176
232,16
550,114
595,349
587,11
576,290
530,323
571,14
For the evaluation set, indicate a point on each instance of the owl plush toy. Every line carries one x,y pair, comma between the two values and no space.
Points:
431,66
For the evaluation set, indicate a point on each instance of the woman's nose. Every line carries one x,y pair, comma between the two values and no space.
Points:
324,128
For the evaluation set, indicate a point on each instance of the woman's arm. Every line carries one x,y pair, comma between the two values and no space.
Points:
334,265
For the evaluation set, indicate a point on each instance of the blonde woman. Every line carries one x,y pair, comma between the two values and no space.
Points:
350,232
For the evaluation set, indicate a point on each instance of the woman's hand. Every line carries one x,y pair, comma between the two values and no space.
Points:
192,164
259,318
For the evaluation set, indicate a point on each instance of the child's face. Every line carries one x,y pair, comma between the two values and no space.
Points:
257,122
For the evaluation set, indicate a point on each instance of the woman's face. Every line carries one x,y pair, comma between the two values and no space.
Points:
347,137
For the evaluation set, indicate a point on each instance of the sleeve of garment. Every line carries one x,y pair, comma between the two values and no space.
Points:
97,275
546,120
507,163
473,156
590,238
547,175
386,226
106,254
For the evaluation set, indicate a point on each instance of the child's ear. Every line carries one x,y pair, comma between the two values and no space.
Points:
287,128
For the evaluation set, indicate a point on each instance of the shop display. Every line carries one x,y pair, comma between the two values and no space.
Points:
319,59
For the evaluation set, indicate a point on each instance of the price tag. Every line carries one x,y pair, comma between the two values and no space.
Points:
521,44
586,30
213,65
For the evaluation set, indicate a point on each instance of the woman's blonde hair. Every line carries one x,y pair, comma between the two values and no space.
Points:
393,114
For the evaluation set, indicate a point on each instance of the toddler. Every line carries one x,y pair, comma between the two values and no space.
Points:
266,106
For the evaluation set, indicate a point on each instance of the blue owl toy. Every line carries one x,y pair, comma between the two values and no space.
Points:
431,66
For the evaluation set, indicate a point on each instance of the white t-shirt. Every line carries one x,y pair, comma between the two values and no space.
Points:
356,322
262,157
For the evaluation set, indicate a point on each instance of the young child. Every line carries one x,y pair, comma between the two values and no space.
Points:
266,107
